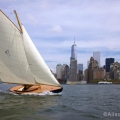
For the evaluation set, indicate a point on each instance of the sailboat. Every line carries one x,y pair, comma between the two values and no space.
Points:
20,61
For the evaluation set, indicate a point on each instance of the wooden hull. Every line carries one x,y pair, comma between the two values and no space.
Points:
36,89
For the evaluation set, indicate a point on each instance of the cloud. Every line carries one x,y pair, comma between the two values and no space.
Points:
53,24
31,19
56,28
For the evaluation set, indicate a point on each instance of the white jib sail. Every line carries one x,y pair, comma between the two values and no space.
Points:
14,67
37,65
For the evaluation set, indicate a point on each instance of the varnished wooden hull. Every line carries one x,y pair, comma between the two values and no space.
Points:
36,89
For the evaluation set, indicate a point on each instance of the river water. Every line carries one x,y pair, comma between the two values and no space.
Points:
76,102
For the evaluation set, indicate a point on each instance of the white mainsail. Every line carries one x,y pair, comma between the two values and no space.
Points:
37,65
20,62
14,67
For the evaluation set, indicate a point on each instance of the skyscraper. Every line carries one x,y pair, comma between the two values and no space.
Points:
65,72
79,72
59,71
73,63
108,62
74,51
80,67
96,56
73,70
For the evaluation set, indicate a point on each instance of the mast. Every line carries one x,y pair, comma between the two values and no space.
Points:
18,20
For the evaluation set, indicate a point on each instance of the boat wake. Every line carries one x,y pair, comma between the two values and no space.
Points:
45,93
42,94
34,94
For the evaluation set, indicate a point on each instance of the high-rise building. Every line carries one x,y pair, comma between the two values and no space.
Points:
73,63
59,71
108,62
96,56
98,74
73,70
74,51
62,73
65,72
115,71
79,72
94,72
80,68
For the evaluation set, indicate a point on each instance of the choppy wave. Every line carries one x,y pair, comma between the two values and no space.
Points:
88,102
43,93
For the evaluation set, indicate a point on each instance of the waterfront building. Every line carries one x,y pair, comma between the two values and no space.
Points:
65,73
80,68
108,62
92,65
80,75
86,74
62,73
79,72
115,71
94,72
107,76
96,56
98,74
73,70
73,63
59,71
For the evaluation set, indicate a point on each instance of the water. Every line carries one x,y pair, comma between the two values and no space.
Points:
77,102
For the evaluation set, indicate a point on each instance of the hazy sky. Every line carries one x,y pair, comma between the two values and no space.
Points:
52,25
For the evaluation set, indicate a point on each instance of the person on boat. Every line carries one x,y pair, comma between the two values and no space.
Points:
26,87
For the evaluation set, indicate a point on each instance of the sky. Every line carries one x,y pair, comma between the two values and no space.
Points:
52,25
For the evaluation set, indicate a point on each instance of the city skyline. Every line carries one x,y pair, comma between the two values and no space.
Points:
95,24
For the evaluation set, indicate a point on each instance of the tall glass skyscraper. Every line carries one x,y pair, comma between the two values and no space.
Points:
96,56
74,51
73,63
108,62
